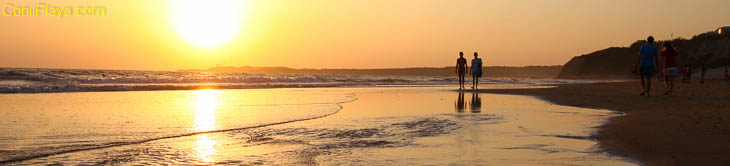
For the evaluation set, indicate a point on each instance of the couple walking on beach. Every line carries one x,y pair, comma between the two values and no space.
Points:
647,61
476,70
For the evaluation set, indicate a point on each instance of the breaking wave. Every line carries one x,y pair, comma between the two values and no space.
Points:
73,80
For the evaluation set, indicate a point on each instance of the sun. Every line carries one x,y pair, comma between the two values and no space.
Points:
207,23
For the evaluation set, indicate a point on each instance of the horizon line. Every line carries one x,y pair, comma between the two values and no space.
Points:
422,67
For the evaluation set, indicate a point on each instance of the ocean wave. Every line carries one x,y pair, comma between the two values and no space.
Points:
71,80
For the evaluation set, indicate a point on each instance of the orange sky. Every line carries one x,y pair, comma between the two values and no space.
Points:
141,34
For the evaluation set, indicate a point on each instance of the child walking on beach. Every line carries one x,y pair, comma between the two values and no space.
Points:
476,71
646,63
461,69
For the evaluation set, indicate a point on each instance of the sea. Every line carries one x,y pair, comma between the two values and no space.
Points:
20,80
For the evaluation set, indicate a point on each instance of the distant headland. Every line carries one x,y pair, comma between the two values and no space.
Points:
490,71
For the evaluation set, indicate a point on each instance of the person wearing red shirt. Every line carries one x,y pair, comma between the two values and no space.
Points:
671,71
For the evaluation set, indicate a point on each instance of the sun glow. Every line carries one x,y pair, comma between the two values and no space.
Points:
207,24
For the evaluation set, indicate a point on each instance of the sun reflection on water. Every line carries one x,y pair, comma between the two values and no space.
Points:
205,106
205,149
206,102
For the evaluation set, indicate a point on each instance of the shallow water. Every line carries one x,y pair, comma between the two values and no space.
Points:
328,126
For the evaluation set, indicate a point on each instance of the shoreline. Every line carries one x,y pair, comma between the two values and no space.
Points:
688,128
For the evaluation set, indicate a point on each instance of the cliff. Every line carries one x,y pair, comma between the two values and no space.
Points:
711,49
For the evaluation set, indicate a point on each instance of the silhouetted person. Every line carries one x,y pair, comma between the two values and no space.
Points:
689,74
460,104
687,71
681,74
476,71
476,103
671,71
461,69
646,64
702,73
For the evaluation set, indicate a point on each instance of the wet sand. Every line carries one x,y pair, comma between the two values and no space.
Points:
692,127
382,126
488,129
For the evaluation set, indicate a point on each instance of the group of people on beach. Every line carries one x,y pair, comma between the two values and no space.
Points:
645,66
647,61
476,70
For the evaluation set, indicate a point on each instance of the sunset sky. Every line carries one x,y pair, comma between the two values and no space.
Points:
180,34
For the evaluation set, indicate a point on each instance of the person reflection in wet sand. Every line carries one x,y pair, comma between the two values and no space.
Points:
460,104
476,103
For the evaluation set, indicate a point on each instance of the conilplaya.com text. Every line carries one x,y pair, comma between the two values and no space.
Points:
44,9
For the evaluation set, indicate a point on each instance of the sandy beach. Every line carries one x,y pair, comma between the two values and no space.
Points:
691,127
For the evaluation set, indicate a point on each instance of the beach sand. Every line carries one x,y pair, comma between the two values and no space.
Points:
692,127
361,126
